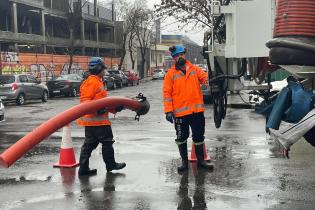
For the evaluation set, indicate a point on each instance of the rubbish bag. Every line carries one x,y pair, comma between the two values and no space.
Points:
282,103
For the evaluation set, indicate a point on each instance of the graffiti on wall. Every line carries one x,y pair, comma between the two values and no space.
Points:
44,66
15,69
9,57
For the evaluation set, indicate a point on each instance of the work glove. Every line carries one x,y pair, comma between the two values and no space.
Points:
169,117
101,111
119,108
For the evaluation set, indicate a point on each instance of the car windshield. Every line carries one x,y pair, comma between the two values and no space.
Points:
65,77
157,71
113,72
6,79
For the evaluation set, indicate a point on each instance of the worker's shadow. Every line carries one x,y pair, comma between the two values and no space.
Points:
94,200
198,198
109,185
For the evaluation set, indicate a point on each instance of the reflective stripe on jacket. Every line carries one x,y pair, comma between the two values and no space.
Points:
92,89
182,93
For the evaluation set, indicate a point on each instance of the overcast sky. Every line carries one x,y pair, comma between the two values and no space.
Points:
168,27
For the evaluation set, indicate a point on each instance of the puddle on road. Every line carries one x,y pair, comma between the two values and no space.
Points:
30,178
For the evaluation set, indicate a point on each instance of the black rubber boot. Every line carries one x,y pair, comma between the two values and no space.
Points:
85,155
89,172
109,157
200,157
183,154
116,166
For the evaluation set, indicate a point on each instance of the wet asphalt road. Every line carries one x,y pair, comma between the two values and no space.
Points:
250,172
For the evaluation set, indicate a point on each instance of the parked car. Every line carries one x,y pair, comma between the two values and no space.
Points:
21,87
85,75
122,75
133,78
66,84
109,81
118,78
158,74
1,111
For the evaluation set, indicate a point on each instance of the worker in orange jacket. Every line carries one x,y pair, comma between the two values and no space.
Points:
97,125
183,104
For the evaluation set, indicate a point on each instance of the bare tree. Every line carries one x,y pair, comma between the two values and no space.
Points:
74,17
145,23
132,48
186,12
126,14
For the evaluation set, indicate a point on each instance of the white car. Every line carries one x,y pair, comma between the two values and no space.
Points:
1,111
158,74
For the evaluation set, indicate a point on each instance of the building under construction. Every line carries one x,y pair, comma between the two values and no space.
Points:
61,27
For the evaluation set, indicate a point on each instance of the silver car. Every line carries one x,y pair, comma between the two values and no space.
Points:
158,74
1,111
21,87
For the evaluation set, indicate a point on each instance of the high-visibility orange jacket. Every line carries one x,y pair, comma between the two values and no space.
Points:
92,89
182,93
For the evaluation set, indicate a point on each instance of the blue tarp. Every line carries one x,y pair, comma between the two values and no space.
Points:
291,105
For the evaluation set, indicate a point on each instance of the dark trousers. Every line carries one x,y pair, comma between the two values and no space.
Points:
196,122
93,136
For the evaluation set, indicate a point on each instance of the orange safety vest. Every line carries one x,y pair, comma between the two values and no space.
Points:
92,89
182,93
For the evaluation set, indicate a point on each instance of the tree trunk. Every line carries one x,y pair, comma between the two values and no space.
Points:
130,46
122,59
142,69
133,64
123,52
71,52
70,62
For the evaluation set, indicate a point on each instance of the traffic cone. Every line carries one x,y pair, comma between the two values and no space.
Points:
192,155
66,157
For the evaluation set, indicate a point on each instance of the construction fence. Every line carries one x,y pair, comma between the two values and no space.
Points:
46,66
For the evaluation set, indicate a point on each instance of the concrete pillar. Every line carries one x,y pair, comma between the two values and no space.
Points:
97,39
14,18
95,8
96,31
82,30
16,47
43,27
44,48
82,37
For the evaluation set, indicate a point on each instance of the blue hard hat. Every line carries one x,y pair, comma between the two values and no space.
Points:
177,49
96,65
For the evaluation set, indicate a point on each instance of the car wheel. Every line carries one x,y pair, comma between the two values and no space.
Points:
45,96
51,95
138,82
20,99
74,92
